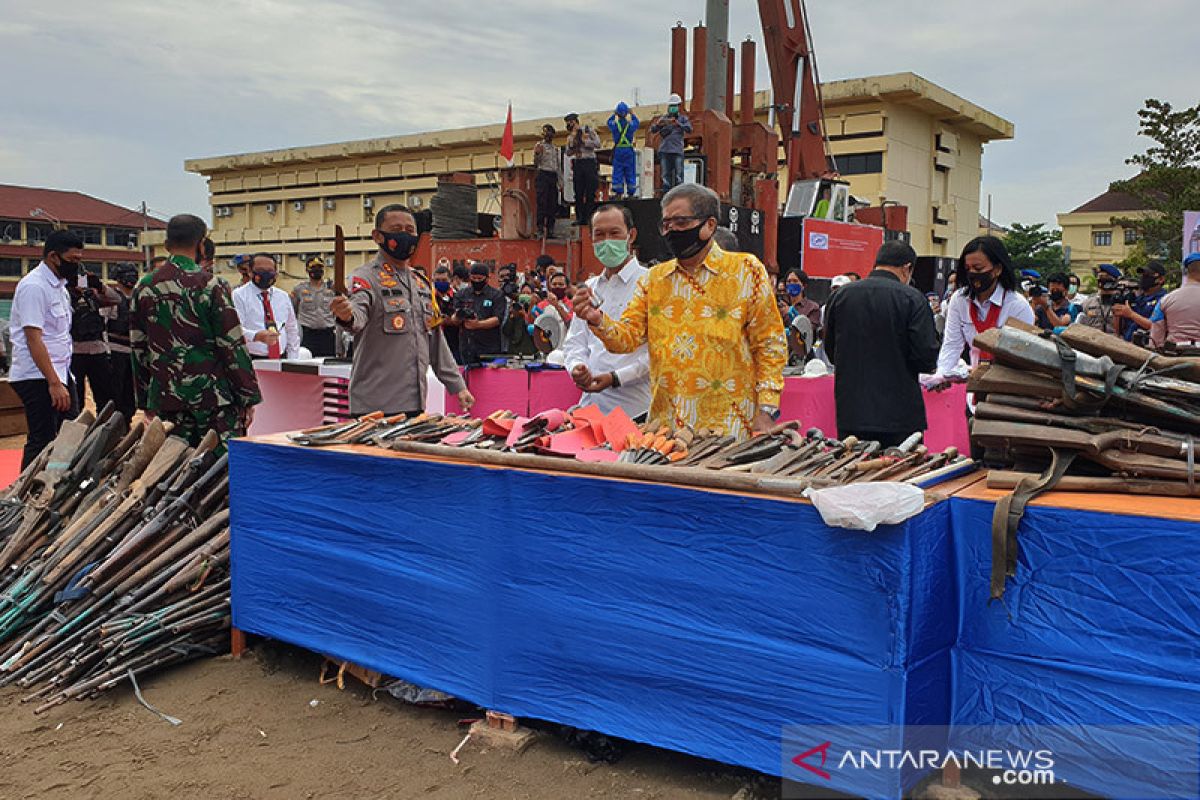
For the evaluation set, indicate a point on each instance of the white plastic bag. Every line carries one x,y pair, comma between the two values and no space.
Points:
864,506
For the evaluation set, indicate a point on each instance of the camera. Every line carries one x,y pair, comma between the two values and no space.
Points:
1037,290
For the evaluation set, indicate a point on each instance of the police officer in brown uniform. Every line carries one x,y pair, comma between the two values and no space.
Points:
312,301
397,326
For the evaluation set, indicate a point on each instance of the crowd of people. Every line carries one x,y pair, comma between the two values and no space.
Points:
578,156
700,340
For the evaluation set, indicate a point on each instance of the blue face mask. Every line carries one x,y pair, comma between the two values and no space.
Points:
442,286
794,289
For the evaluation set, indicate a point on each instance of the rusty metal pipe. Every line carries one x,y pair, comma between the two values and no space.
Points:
678,60
699,51
746,101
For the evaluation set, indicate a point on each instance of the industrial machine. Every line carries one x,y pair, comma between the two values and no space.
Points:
820,227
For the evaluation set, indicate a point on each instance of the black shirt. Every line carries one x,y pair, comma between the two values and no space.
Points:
880,335
488,304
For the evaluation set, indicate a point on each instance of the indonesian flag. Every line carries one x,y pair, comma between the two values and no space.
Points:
506,142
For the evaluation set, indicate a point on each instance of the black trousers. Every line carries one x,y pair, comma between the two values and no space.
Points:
587,181
885,438
547,200
319,341
121,366
94,370
41,417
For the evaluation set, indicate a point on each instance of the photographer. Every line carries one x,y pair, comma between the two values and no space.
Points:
1098,310
1177,318
1052,309
517,328
671,128
89,345
1137,311
557,298
480,312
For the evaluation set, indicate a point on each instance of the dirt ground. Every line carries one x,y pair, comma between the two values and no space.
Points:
250,731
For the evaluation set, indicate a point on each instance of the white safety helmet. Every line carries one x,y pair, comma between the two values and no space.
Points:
674,100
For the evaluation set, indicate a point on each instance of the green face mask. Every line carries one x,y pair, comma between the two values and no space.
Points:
611,252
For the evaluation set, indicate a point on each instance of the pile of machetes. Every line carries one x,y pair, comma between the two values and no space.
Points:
114,554
1080,411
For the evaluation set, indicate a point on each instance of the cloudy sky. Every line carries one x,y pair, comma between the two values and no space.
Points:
110,97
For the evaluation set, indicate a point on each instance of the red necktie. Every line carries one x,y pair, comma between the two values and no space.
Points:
269,320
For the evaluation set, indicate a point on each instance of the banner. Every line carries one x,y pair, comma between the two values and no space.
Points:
832,248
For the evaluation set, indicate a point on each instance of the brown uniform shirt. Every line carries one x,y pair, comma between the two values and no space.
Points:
397,336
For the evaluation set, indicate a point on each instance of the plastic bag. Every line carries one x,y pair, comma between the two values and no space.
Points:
865,506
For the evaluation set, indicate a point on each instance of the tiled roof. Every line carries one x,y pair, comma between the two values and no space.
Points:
73,208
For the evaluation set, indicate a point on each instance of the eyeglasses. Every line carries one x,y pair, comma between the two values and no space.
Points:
678,223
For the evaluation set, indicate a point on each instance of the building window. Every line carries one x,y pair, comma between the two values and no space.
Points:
1102,238
36,232
87,233
10,229
860,163
1130,236
10,267
120,237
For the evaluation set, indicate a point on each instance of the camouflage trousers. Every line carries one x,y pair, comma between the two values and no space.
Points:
191,425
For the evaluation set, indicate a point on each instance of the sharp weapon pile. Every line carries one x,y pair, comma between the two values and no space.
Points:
114,553
1118,417
782,461
1121,418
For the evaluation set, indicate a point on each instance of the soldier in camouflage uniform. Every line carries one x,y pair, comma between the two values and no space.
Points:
191,367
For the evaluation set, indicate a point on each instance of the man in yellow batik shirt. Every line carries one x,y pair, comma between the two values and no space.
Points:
716,340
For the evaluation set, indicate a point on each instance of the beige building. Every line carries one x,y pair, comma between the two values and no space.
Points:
897,138
1089,236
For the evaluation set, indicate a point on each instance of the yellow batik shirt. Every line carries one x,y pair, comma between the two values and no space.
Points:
716,341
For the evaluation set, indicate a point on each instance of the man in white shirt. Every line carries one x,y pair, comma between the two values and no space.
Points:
40,327
266,312
610,380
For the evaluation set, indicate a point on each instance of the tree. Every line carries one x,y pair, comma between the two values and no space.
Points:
1169,181
1034,247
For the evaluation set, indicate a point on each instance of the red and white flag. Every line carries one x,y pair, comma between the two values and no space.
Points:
506,142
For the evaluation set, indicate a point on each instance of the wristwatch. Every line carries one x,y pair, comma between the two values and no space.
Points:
770,411
616,382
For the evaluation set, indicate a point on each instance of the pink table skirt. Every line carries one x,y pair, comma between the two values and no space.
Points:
809,400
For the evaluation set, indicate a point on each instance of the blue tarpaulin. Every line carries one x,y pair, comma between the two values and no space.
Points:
1098,630
708,622
698,621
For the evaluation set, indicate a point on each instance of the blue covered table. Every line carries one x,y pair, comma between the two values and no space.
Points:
700,621
1097,638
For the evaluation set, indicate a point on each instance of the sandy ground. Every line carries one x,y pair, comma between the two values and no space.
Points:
249,731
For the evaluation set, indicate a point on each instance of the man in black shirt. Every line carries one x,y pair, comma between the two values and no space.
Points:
880,334
479,310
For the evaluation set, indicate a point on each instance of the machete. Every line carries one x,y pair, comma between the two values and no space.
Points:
339,261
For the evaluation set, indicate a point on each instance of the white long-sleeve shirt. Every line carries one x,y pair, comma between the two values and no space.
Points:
960,329
247,299
581,346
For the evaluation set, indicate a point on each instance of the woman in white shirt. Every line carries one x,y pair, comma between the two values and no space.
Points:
987,299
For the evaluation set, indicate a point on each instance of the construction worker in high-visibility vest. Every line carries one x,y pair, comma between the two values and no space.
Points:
623,125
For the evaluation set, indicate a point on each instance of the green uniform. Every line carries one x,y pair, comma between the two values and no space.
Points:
190,361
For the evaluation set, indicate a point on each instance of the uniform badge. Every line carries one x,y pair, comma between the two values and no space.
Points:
388,280
397,322
360,284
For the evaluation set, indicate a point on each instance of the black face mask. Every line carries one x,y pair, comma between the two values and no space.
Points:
263,280
1147,281
68,270
1057,295
980,283
400,245
316,274
685,243
128,283
478,285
